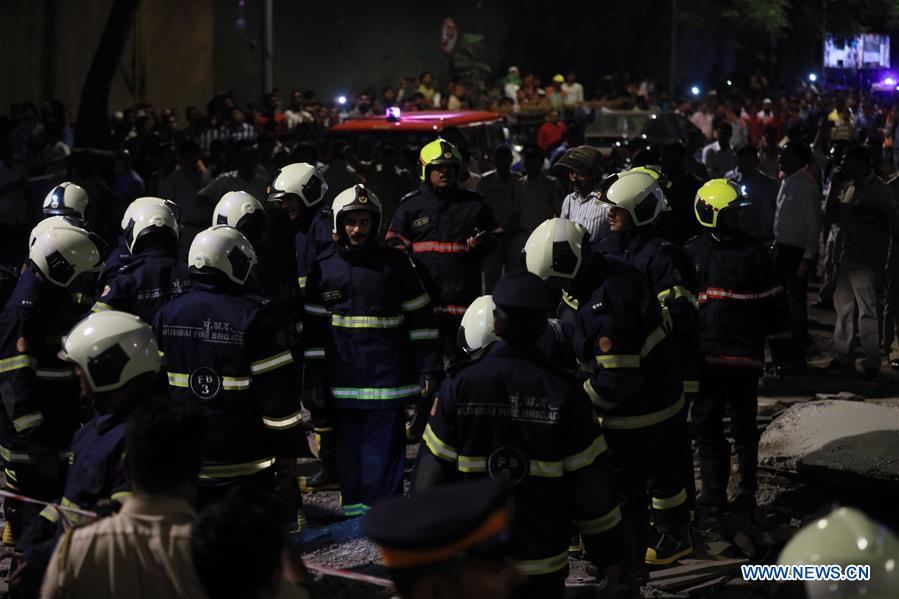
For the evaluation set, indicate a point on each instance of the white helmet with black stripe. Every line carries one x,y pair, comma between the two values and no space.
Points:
111,348
150,219
143,201
223,249
66,199
300,179
242,211
63,254
476,331
54,222
556,249
357,197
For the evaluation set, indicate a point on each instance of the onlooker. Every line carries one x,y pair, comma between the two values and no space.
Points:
426,86
270,112
182,187
551,132
240,548
718,157
863,207
297,113
584,166
757,218
540,194
458,99
144,550
703,119
796,225
238,128
572,91
498,189
512,83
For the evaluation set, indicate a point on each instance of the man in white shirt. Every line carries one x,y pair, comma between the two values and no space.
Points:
572,91
582,205
718,157
703,120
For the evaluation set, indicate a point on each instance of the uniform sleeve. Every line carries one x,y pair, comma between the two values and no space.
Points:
316,325
418,313
19,398
399,233
275,384
115,295
439,443
615,345
676,288
588,481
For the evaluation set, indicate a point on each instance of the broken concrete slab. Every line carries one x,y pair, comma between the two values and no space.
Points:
843,395
807,427
816,381
869,460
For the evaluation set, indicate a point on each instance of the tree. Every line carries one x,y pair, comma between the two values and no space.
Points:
468,66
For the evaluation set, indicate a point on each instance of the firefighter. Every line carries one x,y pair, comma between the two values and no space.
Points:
371,348
40,392
448,231
120,254
116,359
636,200
153,274
741,303
297,191
228,353
509,413
66,199
629,364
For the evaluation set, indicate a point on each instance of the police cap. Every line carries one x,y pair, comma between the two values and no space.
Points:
521,290
452,521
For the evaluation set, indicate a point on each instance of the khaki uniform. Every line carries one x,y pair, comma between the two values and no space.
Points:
143,551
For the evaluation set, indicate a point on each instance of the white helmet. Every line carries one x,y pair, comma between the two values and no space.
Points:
845,537
149,217
111,348
61,255
638,192
556,249
143,201
54,222
224,249
357,197
300,179
240,210
66,199
476,331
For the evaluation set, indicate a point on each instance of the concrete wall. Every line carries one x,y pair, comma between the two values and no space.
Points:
47,47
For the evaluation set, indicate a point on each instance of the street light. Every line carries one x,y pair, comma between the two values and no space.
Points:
695,90
341,100
812,77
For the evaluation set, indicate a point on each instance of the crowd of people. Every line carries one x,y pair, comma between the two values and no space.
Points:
180,311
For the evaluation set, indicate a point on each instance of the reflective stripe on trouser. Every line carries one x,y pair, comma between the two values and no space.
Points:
234,470
472,464
370,456
599,525
547,565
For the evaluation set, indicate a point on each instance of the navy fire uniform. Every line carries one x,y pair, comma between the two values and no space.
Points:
311,241
370,334
40,392
434,227
740,303
229,354
511,413
671,275
631,372
118,257
145,284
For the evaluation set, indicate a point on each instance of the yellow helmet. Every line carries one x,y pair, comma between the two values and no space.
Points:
714,197
437,152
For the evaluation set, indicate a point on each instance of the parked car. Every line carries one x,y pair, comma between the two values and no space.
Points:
620,133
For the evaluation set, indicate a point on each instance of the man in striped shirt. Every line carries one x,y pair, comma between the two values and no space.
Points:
584,166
